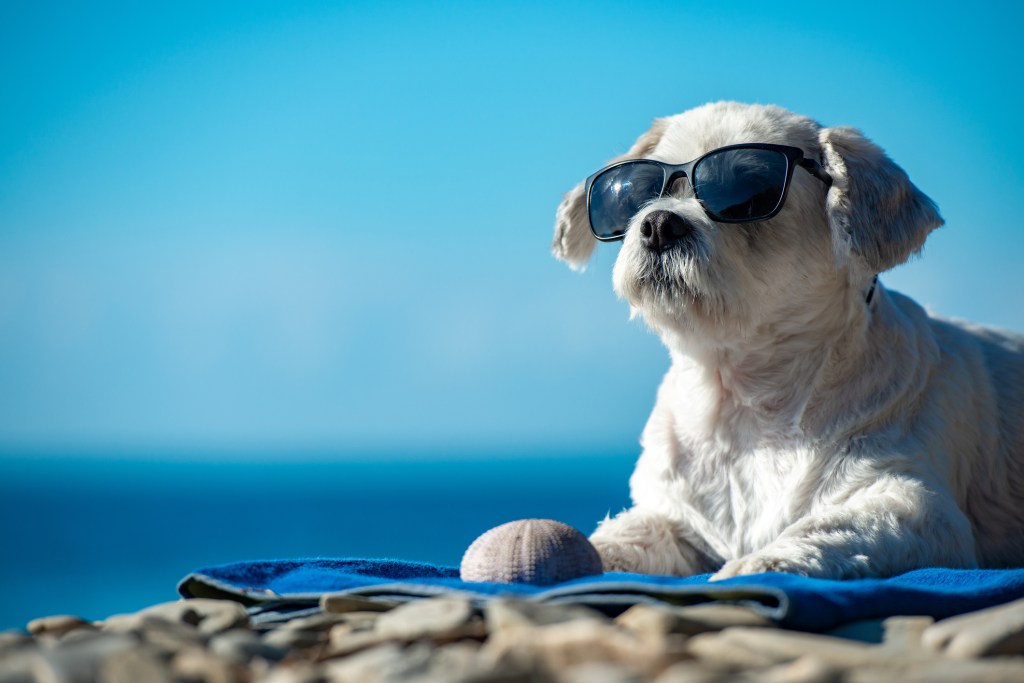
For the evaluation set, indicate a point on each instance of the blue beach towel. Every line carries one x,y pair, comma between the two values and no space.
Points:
792,601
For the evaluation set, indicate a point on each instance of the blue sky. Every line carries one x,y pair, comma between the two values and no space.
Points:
274,227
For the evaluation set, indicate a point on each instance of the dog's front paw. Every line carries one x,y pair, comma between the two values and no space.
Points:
803,559
757,563
795,558
621,557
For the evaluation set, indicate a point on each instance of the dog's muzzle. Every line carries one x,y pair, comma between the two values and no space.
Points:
662,230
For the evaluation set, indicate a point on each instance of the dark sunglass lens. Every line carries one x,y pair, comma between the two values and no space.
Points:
741,184
619,193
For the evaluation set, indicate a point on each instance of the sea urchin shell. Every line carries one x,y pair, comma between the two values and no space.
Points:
537,551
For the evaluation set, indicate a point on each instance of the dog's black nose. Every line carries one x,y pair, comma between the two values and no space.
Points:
659,230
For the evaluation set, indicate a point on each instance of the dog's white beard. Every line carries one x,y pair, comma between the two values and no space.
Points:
671,288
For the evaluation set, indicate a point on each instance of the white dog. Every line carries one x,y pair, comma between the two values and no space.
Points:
811,422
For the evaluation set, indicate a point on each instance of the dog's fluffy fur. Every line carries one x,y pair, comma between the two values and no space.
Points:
801,429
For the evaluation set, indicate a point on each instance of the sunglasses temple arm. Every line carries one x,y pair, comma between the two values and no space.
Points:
815,169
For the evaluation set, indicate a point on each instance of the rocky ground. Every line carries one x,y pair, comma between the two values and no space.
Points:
448,640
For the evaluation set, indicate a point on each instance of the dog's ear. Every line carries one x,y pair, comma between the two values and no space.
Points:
574,243
874,211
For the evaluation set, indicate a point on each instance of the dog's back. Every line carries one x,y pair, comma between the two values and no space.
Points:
983,369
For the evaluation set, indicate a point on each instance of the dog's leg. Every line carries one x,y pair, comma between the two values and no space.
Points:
893,526
646,542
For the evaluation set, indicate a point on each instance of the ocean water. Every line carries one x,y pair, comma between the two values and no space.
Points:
97,536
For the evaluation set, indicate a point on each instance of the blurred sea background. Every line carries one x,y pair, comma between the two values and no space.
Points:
275,277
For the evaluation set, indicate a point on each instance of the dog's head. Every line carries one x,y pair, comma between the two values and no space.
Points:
685,272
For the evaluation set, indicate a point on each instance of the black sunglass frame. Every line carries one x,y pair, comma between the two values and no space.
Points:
672,172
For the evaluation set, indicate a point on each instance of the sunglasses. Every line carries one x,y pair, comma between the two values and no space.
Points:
734,184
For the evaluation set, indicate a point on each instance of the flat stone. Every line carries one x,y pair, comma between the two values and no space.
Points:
343,641
649,620
168,637
594,672
296,672
241,646
361,621
121,623
58,625
205,615
214,616
81,659
749,647
199,666
165,636
341,602
353,622
418,662
430,618
714,649
321,622
556,647
942,670
699,672
292,639
454,662
30,667
13,640
72,638
806,669
904,633
694,619
985,633
383,662
502,613
132,666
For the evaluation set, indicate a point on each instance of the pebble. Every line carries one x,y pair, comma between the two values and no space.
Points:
31,667
58,625
942,670
696,619
287,639
214,616
342,602
653,620
697,672
81,659
167,637
905,633
502,613
442,618
805,669
207,616
456,661
447,640
360,621
300,672
712,648
989,632
199,666
12,640
385,661
133,666
241,646
323,622
558,646
774,646
343,641
593,672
